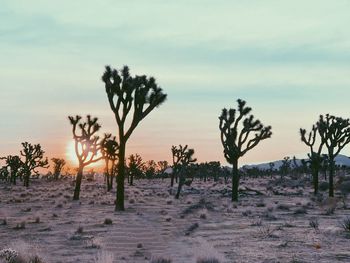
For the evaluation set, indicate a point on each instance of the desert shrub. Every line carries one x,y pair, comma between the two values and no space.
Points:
345,224
207,260
191,228
323,186
104,257
300,211
80,230
313,222
260,204
160,260
266,231
283,207
108,221
330,211
21,225
202,204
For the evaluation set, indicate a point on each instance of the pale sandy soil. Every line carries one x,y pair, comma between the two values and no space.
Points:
155,224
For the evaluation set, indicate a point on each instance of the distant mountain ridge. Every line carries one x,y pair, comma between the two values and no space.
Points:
340,160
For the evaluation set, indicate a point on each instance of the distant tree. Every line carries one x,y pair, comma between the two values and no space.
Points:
236,141
58,164
86,145
33,159
335,133
161,167
135,167
314,154
14,164
150,169
4,173
182,158
285,167
109,151
125,92
271,168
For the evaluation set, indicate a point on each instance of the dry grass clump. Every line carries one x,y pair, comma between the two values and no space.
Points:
21,225
160,260
104,257
20,253
207,260
313,222
345,224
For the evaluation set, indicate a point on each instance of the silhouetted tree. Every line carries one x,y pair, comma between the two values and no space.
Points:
135,167
126,94
237,141
33,159
58,164
109,151
335,133
271,166
150,169
86,146
182,157
161,167
315,153
285,166
14,164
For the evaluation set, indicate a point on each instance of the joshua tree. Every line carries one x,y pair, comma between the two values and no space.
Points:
109,150
285,166
335,133
150,169
135,167
58,164
236,141
126,94
14,163
161,167
86,146
182,158
33,159
271,168
315,153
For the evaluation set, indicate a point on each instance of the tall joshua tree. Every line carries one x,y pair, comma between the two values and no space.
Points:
86,145
58,164
335,133
315,153
33,159
236,139
182,158
127,95
109,150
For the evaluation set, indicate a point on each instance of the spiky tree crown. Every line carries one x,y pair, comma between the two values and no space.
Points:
335,132
310,140
33,157
182,155
109,147
236,143
87,143
125,91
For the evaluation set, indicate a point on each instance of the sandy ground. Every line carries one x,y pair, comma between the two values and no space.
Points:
269,228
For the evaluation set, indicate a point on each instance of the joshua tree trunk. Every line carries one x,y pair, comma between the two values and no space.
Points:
119,203
172,179
26,179
131,179
331,175
181,182
315,178
235,180
78,183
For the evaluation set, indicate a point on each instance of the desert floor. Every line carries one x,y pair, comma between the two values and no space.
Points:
202,223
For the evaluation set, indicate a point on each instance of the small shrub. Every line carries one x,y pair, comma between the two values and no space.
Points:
160,260
345,224
108,221
37,220
207,260
283,207
80,230
104,257
266,231
330,211
21,225
300,211
313,222
191,228
3,222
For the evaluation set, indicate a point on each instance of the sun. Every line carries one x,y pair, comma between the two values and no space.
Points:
73,159
70,153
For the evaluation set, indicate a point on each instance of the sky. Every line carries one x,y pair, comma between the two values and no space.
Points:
290,60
